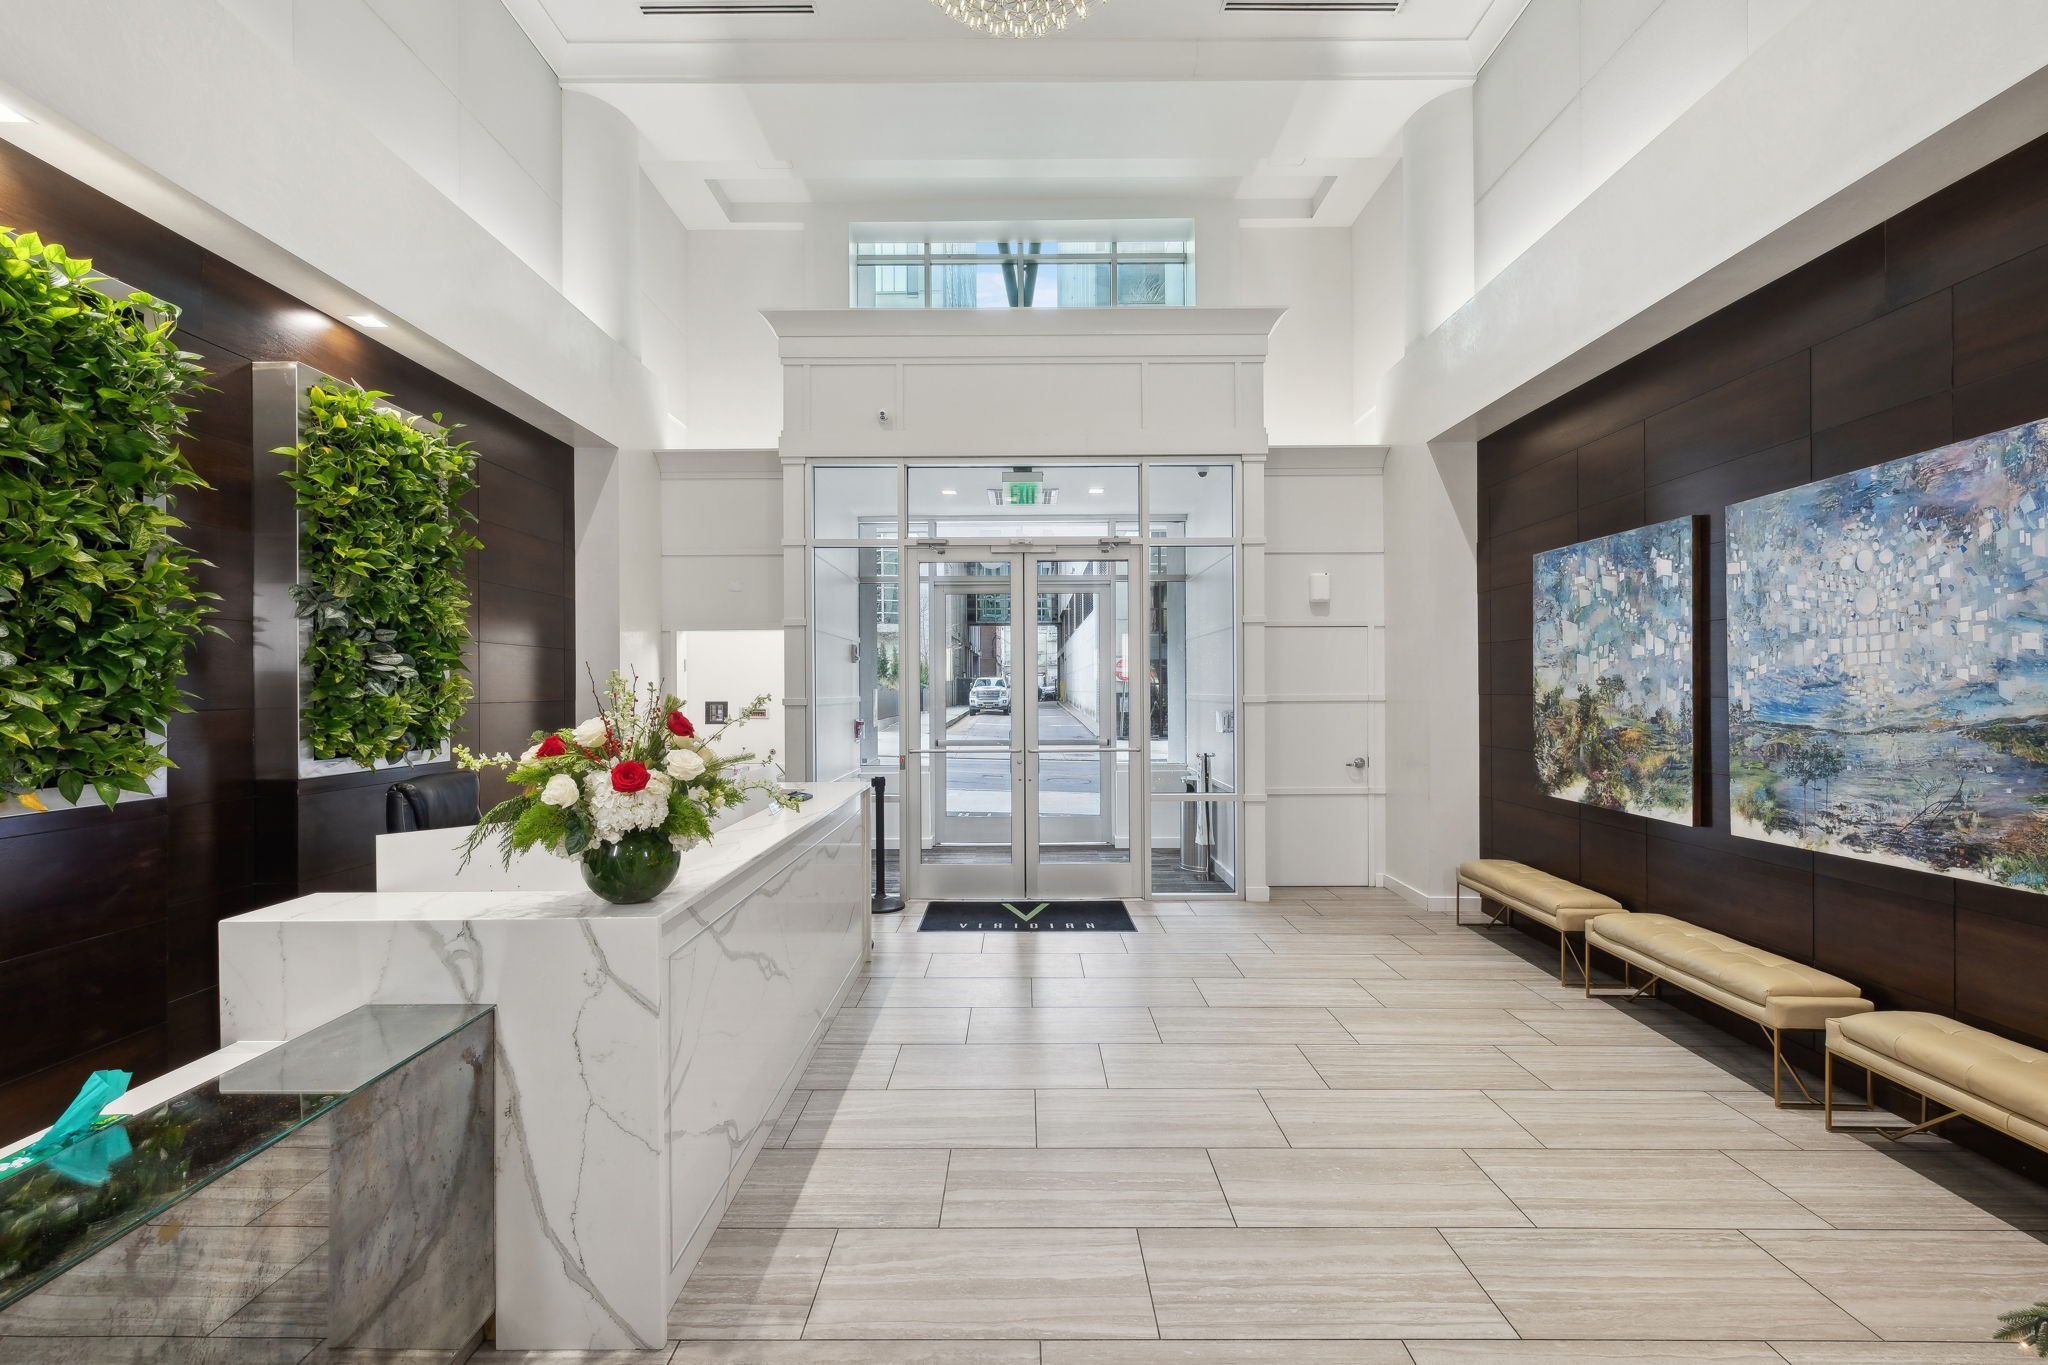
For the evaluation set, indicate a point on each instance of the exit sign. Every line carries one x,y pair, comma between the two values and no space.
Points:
1024,487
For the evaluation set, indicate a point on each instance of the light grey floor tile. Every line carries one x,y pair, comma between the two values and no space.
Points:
165,1351
1469,967
661,1356
1178,965
1394,1119
1313,1283
1226,1353
1633,1068
840,1188
984,1283
1377,925
1107,994
1622,1120
1000,1066
1379,1027
849,1066
1084,1188
1156,1118
1005,966
1305,943
1696,1286
1237,992
1452,995
1030,947
1170,1066
898,1026
1251,1024
935,942
915,1118
1351,966
1361,1189
1589,1352
1894,1353
1803,1128
1640,1189
1119,1024
752,1283
1222,941
900,992
1904,1190
785,1122
1354,1067
1917,1286
1615,1027
857,1353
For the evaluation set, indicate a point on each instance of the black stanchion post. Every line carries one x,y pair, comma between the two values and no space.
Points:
884,903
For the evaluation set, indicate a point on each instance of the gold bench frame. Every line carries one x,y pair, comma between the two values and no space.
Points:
1986,1113
1659,973
1565,951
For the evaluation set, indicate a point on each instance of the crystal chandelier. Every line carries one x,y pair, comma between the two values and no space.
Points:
1018,18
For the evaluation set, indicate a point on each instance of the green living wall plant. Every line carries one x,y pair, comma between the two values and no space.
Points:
381,546
97,599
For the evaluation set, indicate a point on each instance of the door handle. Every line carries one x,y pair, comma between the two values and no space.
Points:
1357,763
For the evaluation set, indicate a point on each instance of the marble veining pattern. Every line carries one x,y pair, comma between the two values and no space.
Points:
596,1068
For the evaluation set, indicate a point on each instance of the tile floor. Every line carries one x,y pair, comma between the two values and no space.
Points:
1330,1129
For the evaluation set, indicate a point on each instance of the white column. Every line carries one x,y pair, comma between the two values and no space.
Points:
1437,209
601,214
618,565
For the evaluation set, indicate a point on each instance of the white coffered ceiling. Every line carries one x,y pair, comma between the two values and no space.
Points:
1147,109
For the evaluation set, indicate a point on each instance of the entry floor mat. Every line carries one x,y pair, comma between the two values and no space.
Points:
1026,915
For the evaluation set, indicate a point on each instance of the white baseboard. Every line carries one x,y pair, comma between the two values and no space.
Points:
1422,900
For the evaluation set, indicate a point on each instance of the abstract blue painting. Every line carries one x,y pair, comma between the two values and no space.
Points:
1614,672
1887,681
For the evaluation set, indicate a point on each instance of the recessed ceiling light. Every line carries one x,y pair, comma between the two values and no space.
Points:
367,320
1096,491
949,492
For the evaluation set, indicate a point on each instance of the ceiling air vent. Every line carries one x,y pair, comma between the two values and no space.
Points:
1312,6
728,9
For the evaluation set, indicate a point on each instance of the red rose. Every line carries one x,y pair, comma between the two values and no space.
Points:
679,724
551,747
629,776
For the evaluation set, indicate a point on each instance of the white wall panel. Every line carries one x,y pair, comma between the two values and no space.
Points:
1527,83
1338,511
1308,744
1356,589
1043,400
497,191
721,592
1186,395
1326,661
722,517
1677,54
1315,841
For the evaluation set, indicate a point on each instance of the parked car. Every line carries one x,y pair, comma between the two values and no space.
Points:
989,694
1048,689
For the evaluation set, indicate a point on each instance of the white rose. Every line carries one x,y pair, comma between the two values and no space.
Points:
561,790
591,733
684,765
532,752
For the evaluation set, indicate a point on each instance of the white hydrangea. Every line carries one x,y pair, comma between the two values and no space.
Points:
616,813
684,765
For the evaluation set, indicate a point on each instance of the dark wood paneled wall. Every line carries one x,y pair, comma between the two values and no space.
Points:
107,942
1928,329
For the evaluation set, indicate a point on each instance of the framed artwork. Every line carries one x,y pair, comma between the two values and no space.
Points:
1614,672
1887,678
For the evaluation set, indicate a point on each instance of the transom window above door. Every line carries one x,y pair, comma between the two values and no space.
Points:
1023,271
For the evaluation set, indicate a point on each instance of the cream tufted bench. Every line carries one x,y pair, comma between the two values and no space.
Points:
1774,992
1520,889
2000,1083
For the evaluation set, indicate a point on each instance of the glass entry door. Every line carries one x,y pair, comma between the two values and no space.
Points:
1024,778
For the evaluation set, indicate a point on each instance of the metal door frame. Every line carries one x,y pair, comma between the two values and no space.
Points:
1023,875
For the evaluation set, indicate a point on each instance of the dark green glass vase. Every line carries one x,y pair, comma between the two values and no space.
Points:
637,868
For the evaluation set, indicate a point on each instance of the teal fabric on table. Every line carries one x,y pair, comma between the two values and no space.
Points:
89,1164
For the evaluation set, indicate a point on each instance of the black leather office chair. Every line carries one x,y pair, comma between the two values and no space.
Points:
432,801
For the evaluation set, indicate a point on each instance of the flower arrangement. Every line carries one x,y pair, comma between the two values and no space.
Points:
626,791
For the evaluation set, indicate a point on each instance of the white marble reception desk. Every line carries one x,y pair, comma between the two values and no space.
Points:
643,1051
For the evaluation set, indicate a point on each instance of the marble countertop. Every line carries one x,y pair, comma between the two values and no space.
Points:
707,870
